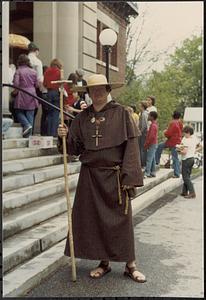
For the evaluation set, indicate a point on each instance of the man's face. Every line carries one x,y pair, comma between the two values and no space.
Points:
98,94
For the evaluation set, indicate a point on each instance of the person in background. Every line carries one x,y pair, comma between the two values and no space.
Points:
150,107
151,104
187,150
38,67
12,70
71,98
82,95
6,124
174,135
26,78
13,93
143,117
151,145
83,105
131,112
44,115
53,74
135,115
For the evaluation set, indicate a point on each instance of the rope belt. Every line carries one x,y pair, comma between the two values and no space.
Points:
117,168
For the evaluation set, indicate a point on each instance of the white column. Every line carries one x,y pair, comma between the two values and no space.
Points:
44,30
68,35
5,56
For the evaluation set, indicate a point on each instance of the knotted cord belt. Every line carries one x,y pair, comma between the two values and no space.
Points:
117,168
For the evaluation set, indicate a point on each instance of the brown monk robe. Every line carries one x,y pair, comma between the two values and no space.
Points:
102,217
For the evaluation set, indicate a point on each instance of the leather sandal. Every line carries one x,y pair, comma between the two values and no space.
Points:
106,269
129,271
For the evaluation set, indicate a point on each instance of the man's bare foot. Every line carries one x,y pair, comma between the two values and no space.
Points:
101,270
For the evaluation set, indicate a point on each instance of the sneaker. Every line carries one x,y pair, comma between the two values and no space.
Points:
153,175
27,130
175,176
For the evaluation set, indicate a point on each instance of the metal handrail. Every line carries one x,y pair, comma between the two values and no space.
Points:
38,98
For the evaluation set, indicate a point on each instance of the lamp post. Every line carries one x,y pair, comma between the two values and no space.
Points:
107,38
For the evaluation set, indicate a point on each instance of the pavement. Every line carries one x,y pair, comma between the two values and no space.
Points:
169,251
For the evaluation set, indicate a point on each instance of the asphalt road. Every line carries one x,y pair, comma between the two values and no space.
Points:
169,251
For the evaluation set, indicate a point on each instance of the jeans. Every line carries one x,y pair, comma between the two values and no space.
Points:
6,123
150,162
187,165
25,117
175,159
53,114
44,121
143,152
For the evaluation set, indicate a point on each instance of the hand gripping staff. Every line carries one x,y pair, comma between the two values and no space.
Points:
71,244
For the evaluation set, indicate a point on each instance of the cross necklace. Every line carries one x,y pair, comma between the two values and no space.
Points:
97,123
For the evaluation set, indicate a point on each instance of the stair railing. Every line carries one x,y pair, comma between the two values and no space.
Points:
38,98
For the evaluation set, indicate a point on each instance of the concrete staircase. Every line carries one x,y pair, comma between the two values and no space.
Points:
34,211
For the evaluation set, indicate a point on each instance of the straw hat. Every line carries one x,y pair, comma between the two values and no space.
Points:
97,80
19,41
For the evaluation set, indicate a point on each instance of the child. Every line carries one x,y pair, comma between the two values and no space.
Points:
151,145
187,150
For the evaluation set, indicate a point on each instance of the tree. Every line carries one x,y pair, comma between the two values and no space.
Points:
185,72
137,52
177,86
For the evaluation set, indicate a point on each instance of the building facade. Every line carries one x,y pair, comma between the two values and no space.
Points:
68,31
194,116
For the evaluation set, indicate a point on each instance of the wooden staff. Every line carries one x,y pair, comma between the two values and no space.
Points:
71,243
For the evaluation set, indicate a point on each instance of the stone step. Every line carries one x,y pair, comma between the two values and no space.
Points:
19,143
158,191
29,243
14,154
11,167
150,183
25,277
34,214
29,194
15,143
22,279
30,177
13,133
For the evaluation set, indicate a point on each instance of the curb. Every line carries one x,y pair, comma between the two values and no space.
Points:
141,202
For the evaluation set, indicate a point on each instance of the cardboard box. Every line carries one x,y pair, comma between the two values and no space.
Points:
41,142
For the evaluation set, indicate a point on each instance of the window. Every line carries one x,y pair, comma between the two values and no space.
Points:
100,50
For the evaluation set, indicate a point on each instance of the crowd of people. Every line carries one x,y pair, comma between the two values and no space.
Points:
181,142
36,78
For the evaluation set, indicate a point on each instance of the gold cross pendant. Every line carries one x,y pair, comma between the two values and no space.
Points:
97,136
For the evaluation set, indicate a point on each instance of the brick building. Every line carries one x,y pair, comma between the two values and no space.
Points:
69,31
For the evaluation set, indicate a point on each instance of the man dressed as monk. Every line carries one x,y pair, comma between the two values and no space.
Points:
105,137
